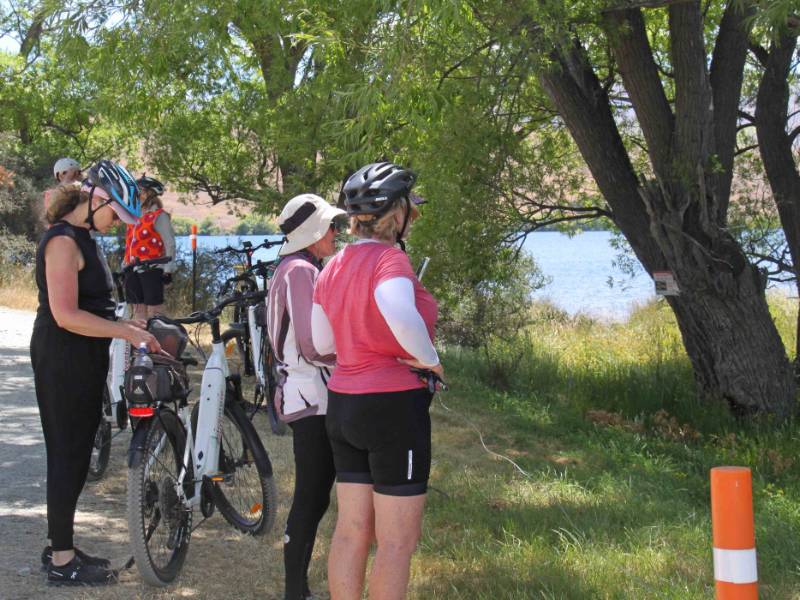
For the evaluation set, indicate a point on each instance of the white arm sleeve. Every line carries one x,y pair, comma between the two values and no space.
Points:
321,331
395,299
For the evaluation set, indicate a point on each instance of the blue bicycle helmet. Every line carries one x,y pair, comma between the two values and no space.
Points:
120,188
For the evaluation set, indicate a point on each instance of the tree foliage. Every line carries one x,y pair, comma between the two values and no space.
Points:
516,114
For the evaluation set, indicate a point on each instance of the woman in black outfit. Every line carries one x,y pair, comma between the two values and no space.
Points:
69,352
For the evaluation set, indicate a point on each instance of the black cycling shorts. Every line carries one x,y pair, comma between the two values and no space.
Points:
145,288
382,439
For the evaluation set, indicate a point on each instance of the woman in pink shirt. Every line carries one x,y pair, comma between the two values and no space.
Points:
371,310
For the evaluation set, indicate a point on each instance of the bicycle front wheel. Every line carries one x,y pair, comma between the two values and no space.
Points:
159,524
246,496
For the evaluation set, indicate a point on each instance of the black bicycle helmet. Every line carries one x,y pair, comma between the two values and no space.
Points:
150,183
373,189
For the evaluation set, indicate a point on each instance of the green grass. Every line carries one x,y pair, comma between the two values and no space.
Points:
616,504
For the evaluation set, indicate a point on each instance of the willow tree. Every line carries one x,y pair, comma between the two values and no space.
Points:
48,105
228,97
649,92
674,216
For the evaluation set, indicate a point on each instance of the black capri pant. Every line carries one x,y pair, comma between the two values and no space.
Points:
70,373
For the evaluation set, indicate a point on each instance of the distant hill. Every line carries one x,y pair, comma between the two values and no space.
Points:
199,208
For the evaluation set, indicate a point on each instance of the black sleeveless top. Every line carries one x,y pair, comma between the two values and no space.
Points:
94,280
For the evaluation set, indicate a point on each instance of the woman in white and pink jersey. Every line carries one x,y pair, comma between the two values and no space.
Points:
301,397
371,309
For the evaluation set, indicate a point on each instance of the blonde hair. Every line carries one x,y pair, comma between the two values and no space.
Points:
150,199
385,227
63,200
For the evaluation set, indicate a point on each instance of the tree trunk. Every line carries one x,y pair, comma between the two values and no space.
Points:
736,352
672,220
775,147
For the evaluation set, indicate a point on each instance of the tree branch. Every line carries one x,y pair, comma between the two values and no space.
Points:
586,111
693,98
772,107
726,77
463,60
634,56
623,5
793,134
759,52
740,151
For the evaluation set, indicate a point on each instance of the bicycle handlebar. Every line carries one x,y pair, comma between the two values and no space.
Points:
431,379
248,247
260,269
145,264
214,313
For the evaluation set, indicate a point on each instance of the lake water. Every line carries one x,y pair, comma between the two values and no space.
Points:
578,268
581,271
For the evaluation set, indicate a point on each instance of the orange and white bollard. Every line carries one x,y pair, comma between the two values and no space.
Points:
735,570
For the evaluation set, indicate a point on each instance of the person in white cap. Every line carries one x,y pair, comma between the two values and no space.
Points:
67,170
302,397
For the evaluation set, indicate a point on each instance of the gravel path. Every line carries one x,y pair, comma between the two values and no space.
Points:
221,562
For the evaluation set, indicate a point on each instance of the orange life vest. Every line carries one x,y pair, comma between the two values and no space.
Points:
142,241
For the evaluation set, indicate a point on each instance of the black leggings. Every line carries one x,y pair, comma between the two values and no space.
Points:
69,372
314,474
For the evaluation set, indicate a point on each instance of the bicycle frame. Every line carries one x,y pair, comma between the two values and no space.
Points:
202,448
119,356
256,346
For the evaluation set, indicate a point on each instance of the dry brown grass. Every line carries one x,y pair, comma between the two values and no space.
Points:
17,288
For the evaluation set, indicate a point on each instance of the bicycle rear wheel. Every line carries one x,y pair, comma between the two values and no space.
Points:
246,496
101,449
159,525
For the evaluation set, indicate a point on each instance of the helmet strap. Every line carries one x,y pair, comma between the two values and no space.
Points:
91,211
406,218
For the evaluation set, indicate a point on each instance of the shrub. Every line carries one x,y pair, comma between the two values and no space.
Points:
19,217
475,313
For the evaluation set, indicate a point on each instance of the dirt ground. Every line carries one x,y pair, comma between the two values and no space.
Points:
221,562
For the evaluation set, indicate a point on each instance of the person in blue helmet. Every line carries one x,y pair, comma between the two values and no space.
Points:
69,351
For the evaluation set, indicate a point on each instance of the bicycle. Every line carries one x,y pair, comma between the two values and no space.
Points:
249,330
248,250
180,459
114,407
